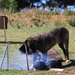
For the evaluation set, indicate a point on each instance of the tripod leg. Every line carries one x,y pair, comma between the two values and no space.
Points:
4,56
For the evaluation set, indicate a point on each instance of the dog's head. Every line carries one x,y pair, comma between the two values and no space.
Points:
30,45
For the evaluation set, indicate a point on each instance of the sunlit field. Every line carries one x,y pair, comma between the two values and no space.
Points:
20,35
26,23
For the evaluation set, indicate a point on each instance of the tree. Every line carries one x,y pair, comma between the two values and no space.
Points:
52,4
65,3
20,4
8,4
12,5
26,3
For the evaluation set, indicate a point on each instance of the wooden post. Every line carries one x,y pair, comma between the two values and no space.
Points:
26,57
4,28
6,44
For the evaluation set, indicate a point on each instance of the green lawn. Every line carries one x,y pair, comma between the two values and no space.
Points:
14,34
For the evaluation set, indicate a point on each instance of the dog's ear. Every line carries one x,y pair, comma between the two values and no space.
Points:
27,44
25,41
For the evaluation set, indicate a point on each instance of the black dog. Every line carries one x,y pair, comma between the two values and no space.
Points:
45,41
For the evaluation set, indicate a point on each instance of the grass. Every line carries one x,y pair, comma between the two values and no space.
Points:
15,34
42,21
15,72
23,33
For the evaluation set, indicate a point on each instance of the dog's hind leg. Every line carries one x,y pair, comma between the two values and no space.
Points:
66,42
62,47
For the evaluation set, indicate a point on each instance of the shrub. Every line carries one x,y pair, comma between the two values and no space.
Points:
60,23
55,12
44,12
71,21
69,13
38,22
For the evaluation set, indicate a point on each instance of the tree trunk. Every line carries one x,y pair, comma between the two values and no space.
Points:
65,5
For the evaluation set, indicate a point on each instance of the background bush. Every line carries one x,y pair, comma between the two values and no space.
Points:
60,23
71,21
69,13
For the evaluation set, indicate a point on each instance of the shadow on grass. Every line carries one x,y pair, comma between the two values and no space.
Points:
70,64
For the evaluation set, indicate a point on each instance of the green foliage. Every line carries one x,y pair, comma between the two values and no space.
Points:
71,21
60,23
55,13
38,22
52,3
69,13
11,5
22,34
43,12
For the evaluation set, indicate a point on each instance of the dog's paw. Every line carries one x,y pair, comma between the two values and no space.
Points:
67,61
